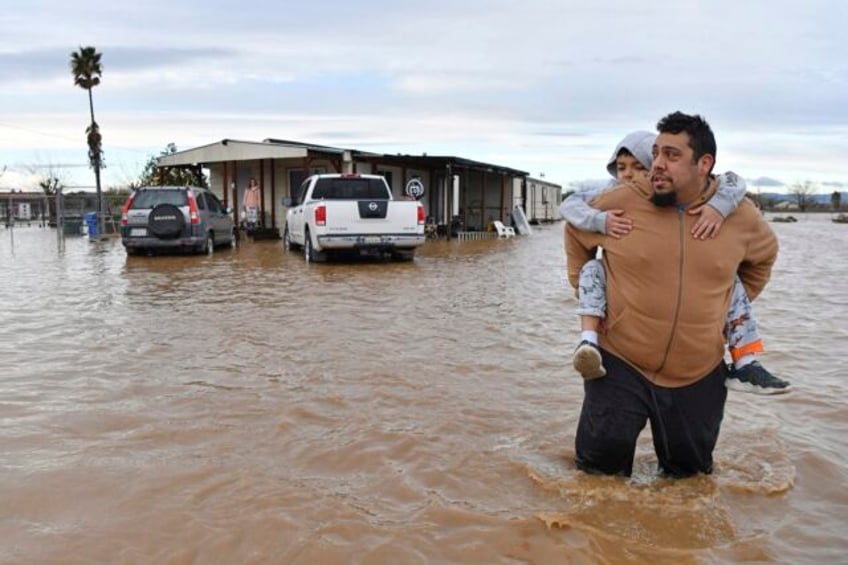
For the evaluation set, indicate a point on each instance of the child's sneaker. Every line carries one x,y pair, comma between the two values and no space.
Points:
753,377
588,362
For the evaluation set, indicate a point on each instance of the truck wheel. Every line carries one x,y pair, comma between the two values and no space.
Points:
405,255
310,254
288,244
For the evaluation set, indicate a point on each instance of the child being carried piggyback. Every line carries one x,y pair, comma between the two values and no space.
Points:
632,157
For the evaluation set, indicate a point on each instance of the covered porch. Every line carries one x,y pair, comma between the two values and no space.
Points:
458,194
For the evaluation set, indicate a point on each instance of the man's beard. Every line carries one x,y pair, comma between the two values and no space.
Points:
664,199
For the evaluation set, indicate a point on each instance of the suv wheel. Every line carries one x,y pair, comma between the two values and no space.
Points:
166,221
210,243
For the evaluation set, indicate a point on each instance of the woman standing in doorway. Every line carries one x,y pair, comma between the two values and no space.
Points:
252,202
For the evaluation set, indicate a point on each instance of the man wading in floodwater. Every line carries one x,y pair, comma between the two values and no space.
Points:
668,296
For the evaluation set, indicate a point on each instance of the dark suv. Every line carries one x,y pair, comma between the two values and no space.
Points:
182,218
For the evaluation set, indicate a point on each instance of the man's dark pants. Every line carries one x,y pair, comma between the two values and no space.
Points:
685,421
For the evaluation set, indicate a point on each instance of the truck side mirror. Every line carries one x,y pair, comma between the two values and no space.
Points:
288,202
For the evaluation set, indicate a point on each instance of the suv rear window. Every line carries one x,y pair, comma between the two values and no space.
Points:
149,198
350,189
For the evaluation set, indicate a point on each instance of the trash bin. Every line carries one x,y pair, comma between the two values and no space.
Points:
91,222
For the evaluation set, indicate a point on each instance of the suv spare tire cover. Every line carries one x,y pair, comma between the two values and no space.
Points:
166,221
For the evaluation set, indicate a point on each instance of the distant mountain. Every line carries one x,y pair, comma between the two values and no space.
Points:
819,197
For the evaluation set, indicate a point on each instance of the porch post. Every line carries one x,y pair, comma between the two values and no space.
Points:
234,187
225,180
262,191
273,195
485,181
504,188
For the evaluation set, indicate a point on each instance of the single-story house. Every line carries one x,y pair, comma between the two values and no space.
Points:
542,199
22,206
455,189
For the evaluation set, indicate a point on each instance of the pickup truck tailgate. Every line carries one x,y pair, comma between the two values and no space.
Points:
365,217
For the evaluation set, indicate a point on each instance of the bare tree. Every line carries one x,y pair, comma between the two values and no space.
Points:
803,193
50,177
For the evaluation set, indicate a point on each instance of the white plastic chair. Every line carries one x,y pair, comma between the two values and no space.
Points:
503,231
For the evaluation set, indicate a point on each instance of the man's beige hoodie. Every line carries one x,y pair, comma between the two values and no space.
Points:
668,293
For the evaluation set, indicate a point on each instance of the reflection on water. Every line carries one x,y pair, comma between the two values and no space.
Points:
250,408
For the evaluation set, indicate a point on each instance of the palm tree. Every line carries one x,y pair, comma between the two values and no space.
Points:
86,68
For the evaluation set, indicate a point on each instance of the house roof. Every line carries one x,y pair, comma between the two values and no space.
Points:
435,161
236,150
273,148
310,146
21,195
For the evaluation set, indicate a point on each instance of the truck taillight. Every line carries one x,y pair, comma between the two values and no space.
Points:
192,209
421,214
125,209
320,215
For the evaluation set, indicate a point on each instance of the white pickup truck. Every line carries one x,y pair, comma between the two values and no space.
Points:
352,213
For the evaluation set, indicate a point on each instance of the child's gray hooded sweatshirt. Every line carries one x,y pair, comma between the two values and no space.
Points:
576,210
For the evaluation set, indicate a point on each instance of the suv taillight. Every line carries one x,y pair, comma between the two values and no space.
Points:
192,209
125,209
320,215
420,214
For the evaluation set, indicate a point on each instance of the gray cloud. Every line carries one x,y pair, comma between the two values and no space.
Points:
45,63
144,58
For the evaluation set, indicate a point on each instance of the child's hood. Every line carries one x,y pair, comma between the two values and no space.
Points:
640,144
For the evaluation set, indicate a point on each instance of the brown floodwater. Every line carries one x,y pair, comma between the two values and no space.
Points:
249,408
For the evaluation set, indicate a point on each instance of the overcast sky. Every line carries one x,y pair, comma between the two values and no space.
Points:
545,86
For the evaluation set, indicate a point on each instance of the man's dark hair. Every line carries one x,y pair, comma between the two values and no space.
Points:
701,138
